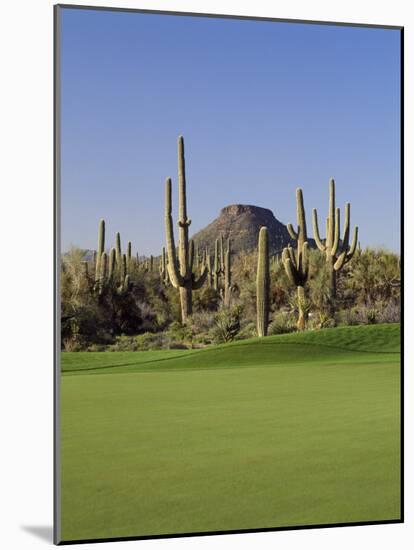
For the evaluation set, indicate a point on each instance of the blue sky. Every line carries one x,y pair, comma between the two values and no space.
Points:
264,107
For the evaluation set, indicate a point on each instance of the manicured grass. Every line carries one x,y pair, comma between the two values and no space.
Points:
283,431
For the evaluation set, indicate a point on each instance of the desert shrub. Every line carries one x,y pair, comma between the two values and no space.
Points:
141,342
360,315
280,286
202,324
282,322
97,347
348,316
247,330
374,275
390,312
227,324
180,336
206,299
368,291
370,315
320,319
318,289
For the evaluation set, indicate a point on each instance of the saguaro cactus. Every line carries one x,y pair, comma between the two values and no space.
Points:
129,255
180,269
112,264
227,275
101,248
124,282
124,271
221,255
263,283
210,271
217,266
103,272
118,254
197,261
163,268
337,254
297,266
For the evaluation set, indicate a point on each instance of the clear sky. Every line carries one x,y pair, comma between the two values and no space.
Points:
264,107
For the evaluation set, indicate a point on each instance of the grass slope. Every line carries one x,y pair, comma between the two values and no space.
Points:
341,342
307,432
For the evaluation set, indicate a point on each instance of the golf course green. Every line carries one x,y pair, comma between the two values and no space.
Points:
286,430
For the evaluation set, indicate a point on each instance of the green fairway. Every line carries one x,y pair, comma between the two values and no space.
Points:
287,430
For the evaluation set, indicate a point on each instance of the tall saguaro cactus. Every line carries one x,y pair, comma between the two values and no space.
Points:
263,283
103,272
337,254
227,275
163,268
112,264
297,266
207,264
129,255
221,255
217,266
101,248
118,254
180,269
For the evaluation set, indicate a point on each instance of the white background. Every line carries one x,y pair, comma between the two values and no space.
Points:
26,283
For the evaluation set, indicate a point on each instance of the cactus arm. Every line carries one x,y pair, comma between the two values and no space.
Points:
353,244
124,267
342,258
302,237
289,270
291,255
196,257
191,255
347,254
174,275
198,283
126,283
316,235
340,262
173,272
335,243
345,242
291,231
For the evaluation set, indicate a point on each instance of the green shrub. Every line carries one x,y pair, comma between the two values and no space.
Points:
283,322
227,324
249,330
